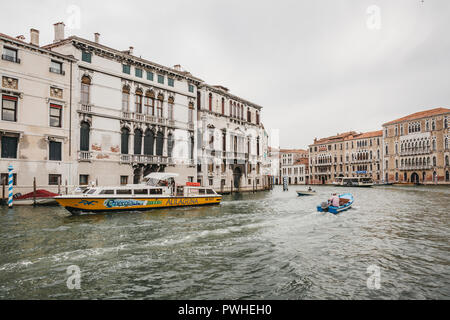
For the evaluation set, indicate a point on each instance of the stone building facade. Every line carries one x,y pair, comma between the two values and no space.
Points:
89,113
348,154
294,166
232,143
35,125
132,116
417,148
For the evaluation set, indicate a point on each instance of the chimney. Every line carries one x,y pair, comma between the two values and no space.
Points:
97,37
59,31
131,51
34,37
21,37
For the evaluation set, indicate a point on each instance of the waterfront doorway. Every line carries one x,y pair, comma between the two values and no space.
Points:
415,178
237,174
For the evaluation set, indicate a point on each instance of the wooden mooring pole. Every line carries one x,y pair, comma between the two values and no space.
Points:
34,191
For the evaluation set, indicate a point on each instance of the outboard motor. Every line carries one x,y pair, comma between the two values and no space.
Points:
324,206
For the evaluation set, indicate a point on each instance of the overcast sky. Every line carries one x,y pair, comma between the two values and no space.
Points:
317,67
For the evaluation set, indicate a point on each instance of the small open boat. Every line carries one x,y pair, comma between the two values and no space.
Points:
345,203
306,192
43,197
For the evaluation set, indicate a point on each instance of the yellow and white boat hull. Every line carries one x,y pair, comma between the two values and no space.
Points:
102,204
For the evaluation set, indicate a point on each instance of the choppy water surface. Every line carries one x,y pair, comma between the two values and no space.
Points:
271,245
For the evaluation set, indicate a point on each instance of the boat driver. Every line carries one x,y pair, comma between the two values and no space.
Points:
334,200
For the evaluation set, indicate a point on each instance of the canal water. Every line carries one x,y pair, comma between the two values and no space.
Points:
393,244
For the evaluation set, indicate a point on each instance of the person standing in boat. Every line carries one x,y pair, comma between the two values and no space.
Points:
334,200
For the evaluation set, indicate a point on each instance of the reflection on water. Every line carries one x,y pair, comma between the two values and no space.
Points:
268,245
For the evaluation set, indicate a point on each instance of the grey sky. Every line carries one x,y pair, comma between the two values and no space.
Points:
315,66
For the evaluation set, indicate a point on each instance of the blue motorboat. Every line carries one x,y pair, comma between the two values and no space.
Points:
345,201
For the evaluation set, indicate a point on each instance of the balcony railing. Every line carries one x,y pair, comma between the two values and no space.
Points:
144,159
413,152
416,167
86,108
84,156
56,70
140,117
10,58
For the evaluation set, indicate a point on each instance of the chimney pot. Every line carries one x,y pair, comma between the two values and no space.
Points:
21,37
59,31
34,37
131,50
97,37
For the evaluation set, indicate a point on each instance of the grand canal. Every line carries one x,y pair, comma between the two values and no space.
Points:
268,245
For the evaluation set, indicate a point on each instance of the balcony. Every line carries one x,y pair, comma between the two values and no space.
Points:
144,159
86,108
416,167
140,117
414,152
10,58
84,156
56,70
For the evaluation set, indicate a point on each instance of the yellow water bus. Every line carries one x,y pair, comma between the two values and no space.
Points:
158,191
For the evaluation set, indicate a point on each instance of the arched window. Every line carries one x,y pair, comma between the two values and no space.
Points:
85,89
159,106
257,117
230,112
210,102
447,176
148,142
125,99
191,148
257,147
138,102
249,115
446,161
125,134
434,145
170,145
159,143
137,141
149,103
223,106
84,136
191,113
434,161
170,102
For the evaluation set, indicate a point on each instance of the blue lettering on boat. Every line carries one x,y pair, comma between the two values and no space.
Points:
114,203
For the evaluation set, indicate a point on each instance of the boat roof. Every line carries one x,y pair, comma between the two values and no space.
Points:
161,175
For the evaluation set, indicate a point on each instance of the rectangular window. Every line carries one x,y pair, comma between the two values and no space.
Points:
55,150
5,176
56,67
84,179
170,82
54,179
155,191
123,191
149,75
123,180
138,72
9,147
86,56
126,68
9,108
10,54
160,79
141,191
191,88
55,115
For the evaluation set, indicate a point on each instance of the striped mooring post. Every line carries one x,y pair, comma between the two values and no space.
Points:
10,186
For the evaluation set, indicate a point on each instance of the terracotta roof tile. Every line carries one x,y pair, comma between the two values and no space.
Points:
419,115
